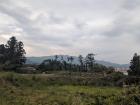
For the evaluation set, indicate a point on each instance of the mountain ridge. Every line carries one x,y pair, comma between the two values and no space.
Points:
38,60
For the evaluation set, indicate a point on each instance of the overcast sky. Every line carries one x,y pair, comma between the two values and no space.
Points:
108,28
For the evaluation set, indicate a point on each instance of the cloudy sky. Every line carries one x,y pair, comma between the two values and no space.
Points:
109,28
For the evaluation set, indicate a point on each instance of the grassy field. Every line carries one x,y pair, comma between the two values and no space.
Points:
18,89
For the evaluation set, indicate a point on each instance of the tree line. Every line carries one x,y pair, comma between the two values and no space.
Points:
85,64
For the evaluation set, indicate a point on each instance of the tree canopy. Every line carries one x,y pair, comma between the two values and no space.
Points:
135,65
12,54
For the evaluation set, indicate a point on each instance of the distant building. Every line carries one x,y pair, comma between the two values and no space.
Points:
122,70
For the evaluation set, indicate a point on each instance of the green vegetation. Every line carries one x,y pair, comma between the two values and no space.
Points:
86,64
12,55
135,65
19,89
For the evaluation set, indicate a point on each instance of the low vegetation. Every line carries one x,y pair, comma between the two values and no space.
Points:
19,89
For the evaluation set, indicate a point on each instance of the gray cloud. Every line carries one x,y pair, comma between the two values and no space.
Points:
30,28
75,26
131,4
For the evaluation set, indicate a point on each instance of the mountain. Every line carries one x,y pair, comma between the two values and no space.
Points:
115,65
38,60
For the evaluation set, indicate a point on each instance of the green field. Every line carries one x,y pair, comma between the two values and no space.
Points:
18,89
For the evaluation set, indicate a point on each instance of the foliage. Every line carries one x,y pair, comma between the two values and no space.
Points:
135,65
12,55
89,61
53,65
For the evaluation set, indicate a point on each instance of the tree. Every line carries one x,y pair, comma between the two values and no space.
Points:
71,61
56,57
81,62
11,49
14,54
135,65
2,53
20,54
62,58
2,49
89,60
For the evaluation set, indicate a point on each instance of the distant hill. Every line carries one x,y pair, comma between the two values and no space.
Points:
38,60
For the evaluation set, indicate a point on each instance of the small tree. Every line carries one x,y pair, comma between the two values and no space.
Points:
71,61
89,60
2,54
81,62
56,57
135,65
20,54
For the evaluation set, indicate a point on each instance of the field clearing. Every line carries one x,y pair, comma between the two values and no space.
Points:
40,89
55,95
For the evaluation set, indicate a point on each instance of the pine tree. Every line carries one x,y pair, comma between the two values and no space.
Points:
135,65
